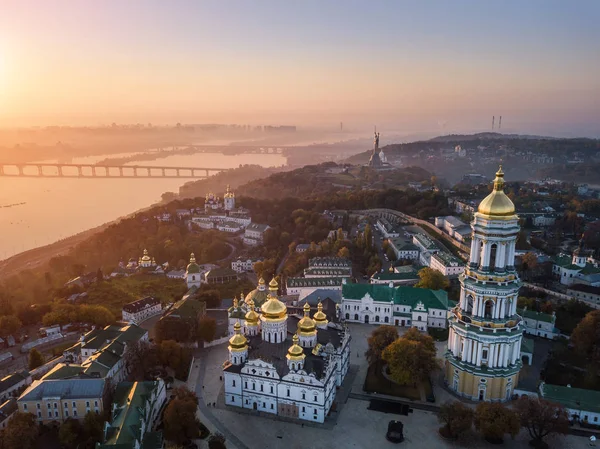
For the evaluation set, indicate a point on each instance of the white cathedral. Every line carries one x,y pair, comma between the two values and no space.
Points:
285,365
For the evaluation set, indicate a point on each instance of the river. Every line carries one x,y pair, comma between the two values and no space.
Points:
38,211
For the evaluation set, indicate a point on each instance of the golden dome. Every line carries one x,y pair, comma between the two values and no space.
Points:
145,257
295,352
261,281
319,317
251,316
237,341
273,285
228,193
307,326
497,204
273,308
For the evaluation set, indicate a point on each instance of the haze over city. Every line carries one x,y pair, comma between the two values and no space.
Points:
416,66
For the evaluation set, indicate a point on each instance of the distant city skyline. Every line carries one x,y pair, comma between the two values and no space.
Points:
406,65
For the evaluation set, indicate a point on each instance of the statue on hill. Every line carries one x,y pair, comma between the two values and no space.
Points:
376,141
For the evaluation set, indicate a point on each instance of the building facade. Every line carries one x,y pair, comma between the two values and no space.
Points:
483,356
142,309
270,371
585,293
254,234
539,324
446,264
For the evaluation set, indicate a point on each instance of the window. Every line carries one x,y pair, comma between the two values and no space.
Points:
303,395
95,403
233,383
232,399
264,405
271,406
25,407
87,403
288,393
261,388
271,388
303,410
49,413
315,398
74,412
38,406
315,411
56,413
66,404
245,384
49,405
74,404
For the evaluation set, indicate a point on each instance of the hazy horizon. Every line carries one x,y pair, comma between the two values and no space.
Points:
429,66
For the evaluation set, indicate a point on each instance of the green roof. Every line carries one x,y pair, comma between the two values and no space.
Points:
410,296
186,308
562,261
573,398
527,345
193,268
538,316
590,269
130,405
387,276
63,371
314,282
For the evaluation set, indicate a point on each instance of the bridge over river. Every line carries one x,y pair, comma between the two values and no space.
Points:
33,170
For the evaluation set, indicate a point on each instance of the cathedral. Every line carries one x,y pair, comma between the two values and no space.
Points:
484,343
288,366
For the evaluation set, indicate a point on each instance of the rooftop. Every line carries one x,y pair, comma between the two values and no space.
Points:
64,389
140,304
585,289
13,379
314,282
447,259
538,316
431,299
573,398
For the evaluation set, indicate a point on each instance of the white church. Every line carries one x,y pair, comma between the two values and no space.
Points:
285,365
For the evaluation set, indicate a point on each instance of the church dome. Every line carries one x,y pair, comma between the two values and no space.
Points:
258,295
146,257
320,317
237,341
497,204
295,352
193,267
229,193
307,326
236,311
251,316
273,286
273,308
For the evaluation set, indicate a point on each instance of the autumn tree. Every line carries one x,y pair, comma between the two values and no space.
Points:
380,338
432,279
541,418
69,434
9,325
207,327
180,422
21,432
457,419
344,252
140,357
36,359
494,420
411,358
216,441
586,337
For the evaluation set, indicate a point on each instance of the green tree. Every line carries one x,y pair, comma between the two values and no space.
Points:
70,433
457,419
21,432
36,359
9,325
380,338
494,420
541,419
411,358
432,279
368,236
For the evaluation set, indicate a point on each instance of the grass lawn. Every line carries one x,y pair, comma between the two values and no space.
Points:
376,382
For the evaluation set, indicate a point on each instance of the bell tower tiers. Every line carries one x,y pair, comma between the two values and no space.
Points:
484,344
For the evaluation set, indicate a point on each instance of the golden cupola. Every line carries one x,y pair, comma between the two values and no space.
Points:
251,315
497,204
307,326
238,343
273,286
319,317
146,257
295,353
273,309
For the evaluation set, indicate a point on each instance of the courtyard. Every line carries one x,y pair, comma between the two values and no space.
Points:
356,426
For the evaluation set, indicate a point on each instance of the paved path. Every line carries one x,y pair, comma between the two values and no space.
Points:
196,383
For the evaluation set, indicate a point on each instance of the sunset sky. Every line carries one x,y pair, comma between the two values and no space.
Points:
93,62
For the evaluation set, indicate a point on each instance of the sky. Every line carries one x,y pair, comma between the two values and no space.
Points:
421,63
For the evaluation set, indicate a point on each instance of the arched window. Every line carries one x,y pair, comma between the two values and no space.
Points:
347,316
193,277
489,306
377,318
469,304
386,320
493,251
356,316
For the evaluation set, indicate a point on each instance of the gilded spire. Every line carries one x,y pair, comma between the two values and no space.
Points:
273,285
319,317
237,342
192,258
295,353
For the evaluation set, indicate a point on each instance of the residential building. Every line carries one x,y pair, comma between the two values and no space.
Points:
581,405
404,249
7,410
543,220
581,268
387,229
293,377
254,234
142,309
134,413
243,265
13,383
539,324
426,246
56,400
229,226
483,356
405,275
176,274
220,276
585,293
399,306
302,247
305,286
455,228
447,264
183,213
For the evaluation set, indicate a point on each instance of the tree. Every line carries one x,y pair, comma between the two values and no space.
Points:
586,337
207,327
432,279
36,359
380,338
69,433
541,418
21,432
344,252
368,235
9,325
411,358
494,420
457,418
216,441
139,359
180,422
93,425
185,394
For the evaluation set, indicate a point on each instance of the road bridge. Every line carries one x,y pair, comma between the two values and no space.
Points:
35,170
